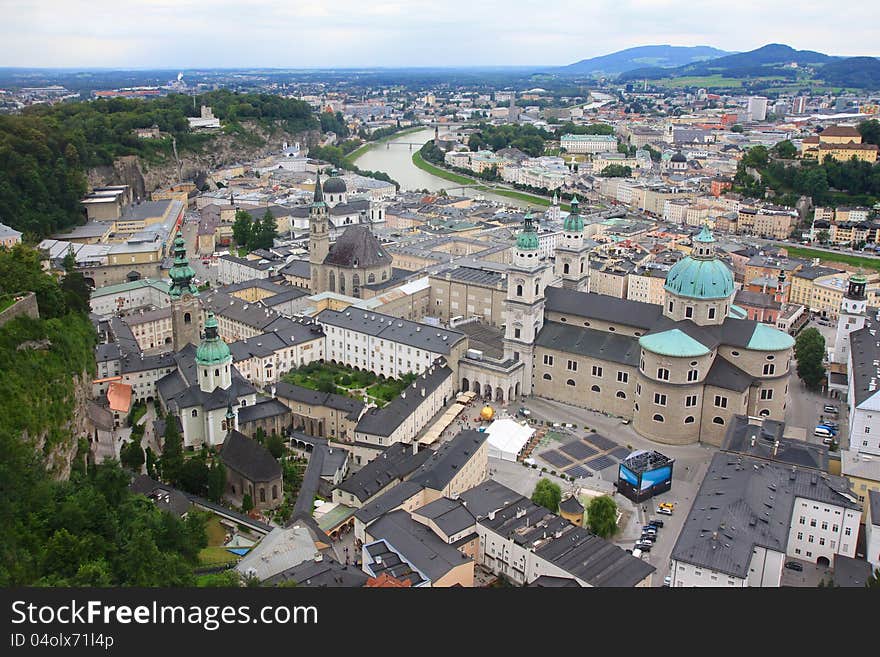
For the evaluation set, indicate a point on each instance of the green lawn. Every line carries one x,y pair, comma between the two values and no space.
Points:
347,381
216,556
857,261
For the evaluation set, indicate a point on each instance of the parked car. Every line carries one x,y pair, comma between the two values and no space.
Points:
649,529
524,412
823,432
656,523
828,408
666,505
664,511
794,565
667,581
644,547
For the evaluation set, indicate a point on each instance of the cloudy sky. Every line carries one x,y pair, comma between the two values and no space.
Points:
358,33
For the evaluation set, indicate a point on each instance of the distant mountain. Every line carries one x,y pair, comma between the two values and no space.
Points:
642,57
858,72
773,59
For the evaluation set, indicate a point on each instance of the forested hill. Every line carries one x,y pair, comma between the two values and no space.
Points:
88,530
46,151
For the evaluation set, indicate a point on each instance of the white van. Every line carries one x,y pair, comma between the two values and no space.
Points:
637,553
823,432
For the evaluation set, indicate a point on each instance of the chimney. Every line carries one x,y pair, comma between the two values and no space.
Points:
775,448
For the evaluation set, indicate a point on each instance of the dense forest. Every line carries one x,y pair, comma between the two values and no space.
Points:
90,530
46,150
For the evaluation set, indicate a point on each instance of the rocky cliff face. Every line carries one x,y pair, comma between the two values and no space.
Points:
222,151
59,458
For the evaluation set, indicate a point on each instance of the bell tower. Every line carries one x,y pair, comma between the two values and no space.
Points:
185,306
319,238
852,316
572,253
524,305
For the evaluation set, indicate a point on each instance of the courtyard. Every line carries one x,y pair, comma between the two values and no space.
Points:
348,381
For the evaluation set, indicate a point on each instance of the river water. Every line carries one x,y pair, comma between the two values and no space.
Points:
395,159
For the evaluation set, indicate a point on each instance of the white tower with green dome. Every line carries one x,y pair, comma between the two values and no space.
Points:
213,359
185,307
573,253
524,306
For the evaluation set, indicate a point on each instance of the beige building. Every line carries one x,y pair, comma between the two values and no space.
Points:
647,285
666,367
468,292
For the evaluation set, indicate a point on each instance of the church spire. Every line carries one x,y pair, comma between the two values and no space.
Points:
319,192
181,273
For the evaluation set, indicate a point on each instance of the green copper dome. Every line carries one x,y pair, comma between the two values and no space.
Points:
700,279
212,350
527,240
701,275
181,273
574,223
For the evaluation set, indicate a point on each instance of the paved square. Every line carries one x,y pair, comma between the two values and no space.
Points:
600,462
601,441
555,458
620,453
578,471
578,450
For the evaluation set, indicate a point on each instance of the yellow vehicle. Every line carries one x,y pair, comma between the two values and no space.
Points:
666,505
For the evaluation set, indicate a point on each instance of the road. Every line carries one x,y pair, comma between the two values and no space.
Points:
190,237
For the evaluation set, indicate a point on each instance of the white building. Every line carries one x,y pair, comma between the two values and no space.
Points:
750,514
757,108
145,293
863,379
386,345
872,529
232,269
588,143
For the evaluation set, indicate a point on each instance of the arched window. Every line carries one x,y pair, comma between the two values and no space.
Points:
384,275
718,420
331,281
355,281
216,372
689,419
582,266
519,290
537,288
621,394
569,382
764,412
262,495
547,377
342,283
658,418
636,406
187,318
371,278
565,268
195,413
595,389
275,492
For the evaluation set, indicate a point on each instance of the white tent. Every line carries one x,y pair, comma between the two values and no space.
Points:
507,437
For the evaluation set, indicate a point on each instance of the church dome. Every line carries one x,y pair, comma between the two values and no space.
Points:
700,279
335,185
213,350
701,275
574,222
678,157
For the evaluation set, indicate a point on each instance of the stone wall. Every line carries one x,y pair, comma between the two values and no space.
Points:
26,306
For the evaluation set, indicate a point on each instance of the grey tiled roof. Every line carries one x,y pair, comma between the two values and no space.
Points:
584,341
600,306
249,457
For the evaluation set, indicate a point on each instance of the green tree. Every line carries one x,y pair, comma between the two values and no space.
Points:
602,516
226,579
247,503
131,455
171,463
547,494
275,445
809,349
241,227
870,131
737,128
823,236
785,149
616,171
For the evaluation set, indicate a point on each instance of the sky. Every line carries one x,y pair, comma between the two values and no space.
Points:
394,33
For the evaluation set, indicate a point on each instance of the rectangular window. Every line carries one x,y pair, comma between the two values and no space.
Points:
659,399
769,368
548,360
690,401
597,370
623,377
573,366
693,375
516,332
800,536
824,525
720,402
688,312
767,394
821,541
663,374
847,531
813,522
712,312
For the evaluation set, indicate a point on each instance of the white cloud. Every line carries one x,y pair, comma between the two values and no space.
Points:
353,33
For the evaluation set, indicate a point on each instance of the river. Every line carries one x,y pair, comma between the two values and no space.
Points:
395,159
